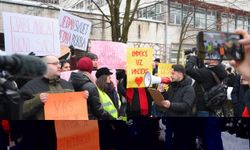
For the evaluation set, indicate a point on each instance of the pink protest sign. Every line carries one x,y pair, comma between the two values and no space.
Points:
110,54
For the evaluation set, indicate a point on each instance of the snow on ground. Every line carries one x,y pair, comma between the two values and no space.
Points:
231,142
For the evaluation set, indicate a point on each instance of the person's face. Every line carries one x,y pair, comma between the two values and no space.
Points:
65,67
95,63
54,67
176,76
156,63
108,79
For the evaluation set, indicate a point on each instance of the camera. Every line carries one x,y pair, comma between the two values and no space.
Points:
219,46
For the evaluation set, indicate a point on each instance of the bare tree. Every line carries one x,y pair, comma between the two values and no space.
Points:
120,29
188,29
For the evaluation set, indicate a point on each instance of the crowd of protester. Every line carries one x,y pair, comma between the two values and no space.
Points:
140,125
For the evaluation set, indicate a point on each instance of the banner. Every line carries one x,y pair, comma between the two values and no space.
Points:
77,135
164,70
74,30
66,106
139,61
24,34
110,54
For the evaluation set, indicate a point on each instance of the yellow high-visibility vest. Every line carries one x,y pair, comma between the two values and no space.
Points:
107,104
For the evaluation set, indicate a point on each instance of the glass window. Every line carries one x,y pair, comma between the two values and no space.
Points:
200,18
240,22
154,12
248,26
188,11
224,23
158,8
175,14
231,23
211,19
150,12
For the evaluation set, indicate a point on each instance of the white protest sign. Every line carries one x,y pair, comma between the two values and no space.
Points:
24,34
74,30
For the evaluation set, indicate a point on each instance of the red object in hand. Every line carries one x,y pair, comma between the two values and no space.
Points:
165,80
6,126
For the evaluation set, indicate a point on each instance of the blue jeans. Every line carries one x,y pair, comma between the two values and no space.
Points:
202,114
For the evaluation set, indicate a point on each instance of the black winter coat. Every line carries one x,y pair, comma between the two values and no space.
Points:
95,109
238,97
203,76
181,95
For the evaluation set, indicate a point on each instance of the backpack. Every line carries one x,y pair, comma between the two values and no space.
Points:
216,96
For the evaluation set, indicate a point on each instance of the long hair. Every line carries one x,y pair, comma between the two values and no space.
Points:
102,84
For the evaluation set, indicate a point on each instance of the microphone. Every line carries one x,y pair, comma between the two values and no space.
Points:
23,66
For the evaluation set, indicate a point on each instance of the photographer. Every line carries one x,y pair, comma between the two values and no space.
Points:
204,79
209,129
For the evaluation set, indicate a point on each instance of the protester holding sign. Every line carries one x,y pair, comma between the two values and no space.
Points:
33,109
83,80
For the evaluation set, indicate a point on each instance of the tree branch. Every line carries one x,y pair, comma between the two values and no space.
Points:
101,10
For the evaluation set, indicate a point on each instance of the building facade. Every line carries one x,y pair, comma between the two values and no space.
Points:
158,23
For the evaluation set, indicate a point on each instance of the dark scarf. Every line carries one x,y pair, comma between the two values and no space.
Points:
109,87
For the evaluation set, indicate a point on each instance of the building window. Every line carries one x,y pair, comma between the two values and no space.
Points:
231,23
200,18
153,12
175,14
240,22
188,11
142,13
211,20
48,1
173,56
224,22
248,25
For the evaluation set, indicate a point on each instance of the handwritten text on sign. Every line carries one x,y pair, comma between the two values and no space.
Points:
77,135
66,106
110,54
164,70
24,34
74,30
139,61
